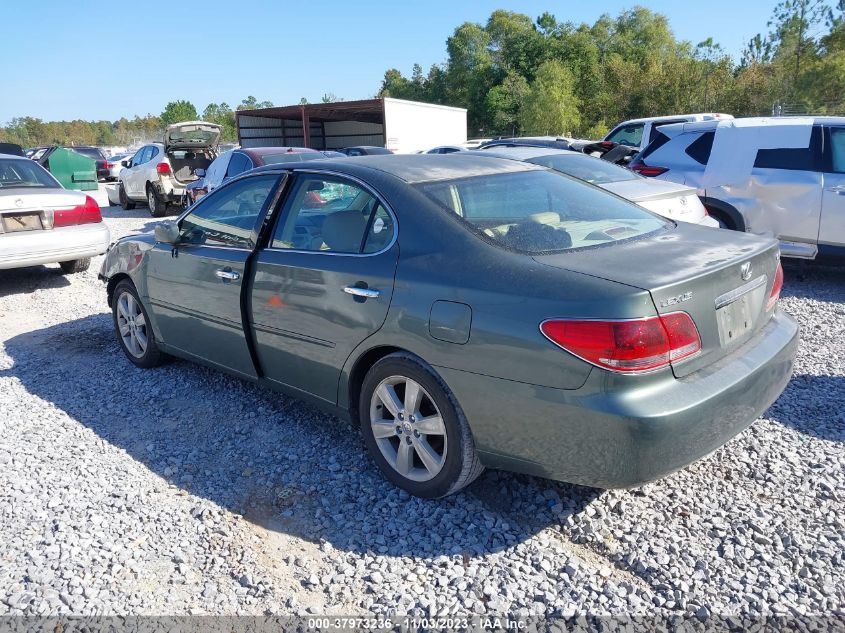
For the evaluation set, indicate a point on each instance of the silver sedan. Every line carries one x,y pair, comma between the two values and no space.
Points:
669,199
43,223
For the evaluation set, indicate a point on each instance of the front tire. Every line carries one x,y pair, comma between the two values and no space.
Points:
158,207
415,430
132,326
75,266
125,202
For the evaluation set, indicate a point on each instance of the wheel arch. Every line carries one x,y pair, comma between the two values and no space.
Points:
350,387
729,213
112,284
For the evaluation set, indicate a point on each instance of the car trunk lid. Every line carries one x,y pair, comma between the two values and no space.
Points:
28,209
723,283
191,135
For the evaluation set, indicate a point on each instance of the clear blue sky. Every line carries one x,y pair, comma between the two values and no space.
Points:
103,60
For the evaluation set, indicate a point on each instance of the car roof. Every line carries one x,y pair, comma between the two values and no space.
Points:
15,156
414,168
703,126
523,152
718,116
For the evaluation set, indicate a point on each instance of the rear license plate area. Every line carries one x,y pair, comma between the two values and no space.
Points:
736,320
15,222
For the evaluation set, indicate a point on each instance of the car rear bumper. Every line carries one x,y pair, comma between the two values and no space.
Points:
610,434
31,248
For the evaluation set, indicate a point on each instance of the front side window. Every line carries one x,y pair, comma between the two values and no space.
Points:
331,214
541,211
594,170
228,216
25,173
837,149
630,135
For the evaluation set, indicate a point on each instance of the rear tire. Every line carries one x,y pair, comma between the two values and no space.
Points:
132,327
75,266
426,446
158,208
125,202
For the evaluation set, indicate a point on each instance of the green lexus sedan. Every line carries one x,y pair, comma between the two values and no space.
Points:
469,312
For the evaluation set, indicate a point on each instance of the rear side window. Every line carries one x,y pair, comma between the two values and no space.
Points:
655,127
792,158
238,164
659,141
837,149
699,150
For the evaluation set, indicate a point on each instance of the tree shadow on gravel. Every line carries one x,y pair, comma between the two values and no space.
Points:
19,281
284,465
808,405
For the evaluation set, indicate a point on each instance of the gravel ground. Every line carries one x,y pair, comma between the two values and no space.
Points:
180,490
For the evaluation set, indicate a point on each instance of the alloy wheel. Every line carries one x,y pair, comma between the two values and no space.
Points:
408,428
132,325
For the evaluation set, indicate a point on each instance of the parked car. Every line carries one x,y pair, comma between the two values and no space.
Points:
640,132
114,165
11,148
445,149
555,142
158,173
230,164
468,311
42,156
674,201
43,223
364,150
796,194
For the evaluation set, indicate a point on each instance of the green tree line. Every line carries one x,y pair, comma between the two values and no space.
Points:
516,75
30,131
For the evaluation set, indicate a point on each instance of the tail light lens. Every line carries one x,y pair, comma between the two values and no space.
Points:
646,170
163,169
774,295
628,346
88,213
107,165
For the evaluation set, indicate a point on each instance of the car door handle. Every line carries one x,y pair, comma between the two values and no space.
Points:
366,293
840,189
228,275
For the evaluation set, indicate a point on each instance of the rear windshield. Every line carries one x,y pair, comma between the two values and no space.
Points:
541,211
25,173
583,167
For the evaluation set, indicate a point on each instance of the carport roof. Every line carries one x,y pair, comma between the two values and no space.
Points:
365,110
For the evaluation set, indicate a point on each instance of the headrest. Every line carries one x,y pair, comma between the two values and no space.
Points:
344,230
547,217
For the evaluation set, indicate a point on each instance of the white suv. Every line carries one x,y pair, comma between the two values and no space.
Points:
782,176
159,172
640,132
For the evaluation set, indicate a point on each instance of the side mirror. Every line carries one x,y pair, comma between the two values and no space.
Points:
200,173
167,232
125,163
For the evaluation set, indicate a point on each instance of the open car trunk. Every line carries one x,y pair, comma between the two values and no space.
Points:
184,163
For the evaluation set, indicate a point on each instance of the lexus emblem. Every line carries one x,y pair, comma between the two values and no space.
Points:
683,201
745,271
19,202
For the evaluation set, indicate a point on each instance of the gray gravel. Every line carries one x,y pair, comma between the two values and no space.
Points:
180,490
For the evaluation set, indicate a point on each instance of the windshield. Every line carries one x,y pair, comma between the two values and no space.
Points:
25,173
631,134
90,152
541,211
593,170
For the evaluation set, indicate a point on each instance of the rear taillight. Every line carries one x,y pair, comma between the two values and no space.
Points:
163,169
646,170
107,165
774,295
632,345
88,213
